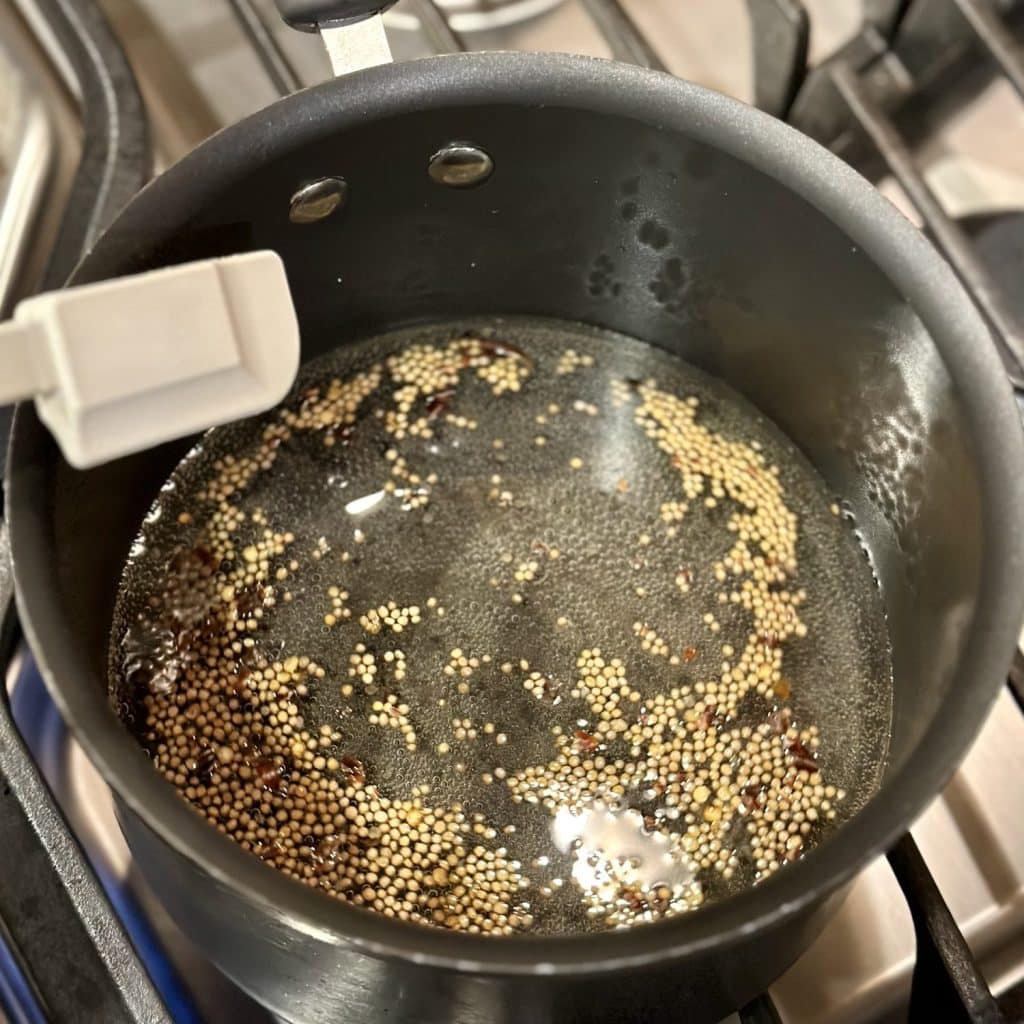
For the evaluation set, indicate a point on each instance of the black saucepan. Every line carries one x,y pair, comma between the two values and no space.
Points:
790,278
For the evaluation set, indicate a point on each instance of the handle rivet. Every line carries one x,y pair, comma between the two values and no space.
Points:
317,199
460,165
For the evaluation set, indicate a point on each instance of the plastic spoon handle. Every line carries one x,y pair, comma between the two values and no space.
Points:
122,365
23,373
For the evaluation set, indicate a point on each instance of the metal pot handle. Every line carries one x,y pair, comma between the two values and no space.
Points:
352,30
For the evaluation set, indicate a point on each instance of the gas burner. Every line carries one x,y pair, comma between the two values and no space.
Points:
477,15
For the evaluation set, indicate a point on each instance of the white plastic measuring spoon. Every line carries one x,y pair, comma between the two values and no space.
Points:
122,365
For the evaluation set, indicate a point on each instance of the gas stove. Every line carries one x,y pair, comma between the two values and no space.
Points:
926,97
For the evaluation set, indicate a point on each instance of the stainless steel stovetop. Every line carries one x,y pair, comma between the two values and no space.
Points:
198,70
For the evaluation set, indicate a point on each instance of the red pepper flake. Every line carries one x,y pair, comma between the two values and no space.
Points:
635,901
205,764
751,796
503,348
802,757
353,768
269,851
342,434
238,687
439,402
708,717
248,599
207,558
251,658
268,774
660,901
585,743
689,654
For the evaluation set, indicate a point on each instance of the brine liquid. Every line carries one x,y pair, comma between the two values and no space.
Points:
507,626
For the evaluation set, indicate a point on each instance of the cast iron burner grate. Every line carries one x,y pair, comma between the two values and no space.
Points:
910,64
